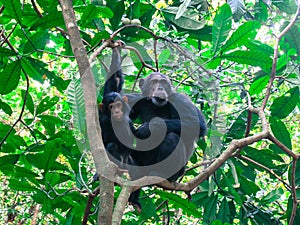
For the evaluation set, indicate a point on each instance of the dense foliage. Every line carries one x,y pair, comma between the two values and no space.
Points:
222,55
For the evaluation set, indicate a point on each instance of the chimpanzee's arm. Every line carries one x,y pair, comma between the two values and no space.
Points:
115,78
187,117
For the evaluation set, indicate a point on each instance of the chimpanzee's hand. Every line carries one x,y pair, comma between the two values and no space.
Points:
143,131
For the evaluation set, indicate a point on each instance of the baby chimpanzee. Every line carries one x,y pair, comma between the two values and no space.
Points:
116,128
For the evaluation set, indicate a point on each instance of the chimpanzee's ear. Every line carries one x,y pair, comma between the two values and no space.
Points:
141,83
125,99
100,106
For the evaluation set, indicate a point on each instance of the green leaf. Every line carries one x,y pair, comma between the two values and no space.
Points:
29,101
280,132
237,129
290,209
222,26
284,105
23,172
13,9
77,104
47,159
241,36
247,187
187,21
118,8
31,69
272,196
37,41
91,12
49,122
253,58
224,212
8,162
20,186
164,56
237,8
292,37
46,104
9,77
182,8
52,178
179,203
53,19
5,107
259,84
261,11
210,209
258,46
148,208
6,52
135,10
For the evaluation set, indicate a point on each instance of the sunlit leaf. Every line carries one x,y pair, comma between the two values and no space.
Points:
237,8
46,104
247,31
7,52
285,104
259,84
187,20
29,101
182,8
253,58
222,26
280,132
9,77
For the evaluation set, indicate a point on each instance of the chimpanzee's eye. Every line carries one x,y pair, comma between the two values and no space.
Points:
118,104
110,106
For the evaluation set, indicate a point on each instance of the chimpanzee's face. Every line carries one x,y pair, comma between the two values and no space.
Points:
116,110
157,87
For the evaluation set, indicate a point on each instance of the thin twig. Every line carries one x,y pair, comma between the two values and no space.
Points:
295,203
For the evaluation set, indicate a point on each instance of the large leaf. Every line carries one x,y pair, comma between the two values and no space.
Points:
258,46
222,26
29,101
20,186
7,52
9,77
292,38
50,20
224,212
76,101
37,41
187,21
46,104
47,159
259,83
188,207
13,9
280,132
7,162
37,70
118,8
237,129
182,8
285,104
237,8
5,107
91,12
253,58
242,35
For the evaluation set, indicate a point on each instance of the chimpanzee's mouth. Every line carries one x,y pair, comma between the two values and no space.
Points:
159,101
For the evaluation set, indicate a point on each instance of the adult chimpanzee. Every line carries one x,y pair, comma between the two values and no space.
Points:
170,125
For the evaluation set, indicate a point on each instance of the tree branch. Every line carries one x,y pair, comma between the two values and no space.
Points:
104,167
